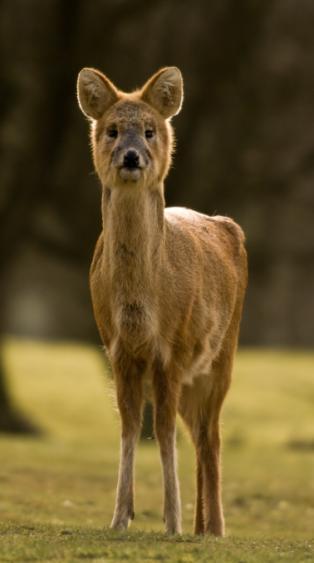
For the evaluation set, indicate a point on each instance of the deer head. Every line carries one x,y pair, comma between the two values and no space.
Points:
131,135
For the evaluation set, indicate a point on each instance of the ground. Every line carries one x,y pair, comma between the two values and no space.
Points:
57,491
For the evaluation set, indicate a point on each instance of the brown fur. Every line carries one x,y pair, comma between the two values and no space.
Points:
167,288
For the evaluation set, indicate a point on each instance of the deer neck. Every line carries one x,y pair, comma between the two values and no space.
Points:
133,228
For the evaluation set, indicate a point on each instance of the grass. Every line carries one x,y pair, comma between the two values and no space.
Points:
57,492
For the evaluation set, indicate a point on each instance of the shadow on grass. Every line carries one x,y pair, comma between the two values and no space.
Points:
301,444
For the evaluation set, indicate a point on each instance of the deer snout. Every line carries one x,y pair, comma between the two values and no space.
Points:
131,159
131,165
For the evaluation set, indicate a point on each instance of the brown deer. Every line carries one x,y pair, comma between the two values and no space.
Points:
167,289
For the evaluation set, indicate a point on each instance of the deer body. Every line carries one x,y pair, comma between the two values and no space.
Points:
167,288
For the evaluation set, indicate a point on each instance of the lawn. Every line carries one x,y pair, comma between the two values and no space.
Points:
57,491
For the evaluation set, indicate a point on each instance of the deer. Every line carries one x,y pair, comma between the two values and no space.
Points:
167,288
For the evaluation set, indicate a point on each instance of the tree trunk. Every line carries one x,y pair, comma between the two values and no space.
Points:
147,426
11,419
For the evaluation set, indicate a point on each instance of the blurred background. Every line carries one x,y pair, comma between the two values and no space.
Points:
245,148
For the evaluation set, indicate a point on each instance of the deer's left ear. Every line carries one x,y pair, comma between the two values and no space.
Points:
164,91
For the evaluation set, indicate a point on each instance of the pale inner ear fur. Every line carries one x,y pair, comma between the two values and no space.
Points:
95,93
164,91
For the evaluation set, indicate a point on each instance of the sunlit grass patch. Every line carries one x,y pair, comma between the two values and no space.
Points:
57,492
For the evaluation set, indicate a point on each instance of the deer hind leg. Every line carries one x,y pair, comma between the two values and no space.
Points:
209,436
166,394
199,524
200,409
130,402
192,411
209,452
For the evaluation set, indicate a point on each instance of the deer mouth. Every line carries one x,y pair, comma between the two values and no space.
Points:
130,174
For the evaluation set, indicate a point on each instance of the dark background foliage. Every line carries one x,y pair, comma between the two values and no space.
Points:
245,147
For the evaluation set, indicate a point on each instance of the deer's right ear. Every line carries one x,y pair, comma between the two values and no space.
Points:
95,92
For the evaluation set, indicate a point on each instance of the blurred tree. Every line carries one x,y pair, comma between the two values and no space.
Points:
11,419
36,219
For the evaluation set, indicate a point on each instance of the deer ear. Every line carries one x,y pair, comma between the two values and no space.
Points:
164,91
95,92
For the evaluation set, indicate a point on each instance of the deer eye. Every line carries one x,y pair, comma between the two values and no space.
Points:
149,133
112,132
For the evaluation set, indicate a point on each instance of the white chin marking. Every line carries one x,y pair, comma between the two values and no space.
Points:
128,175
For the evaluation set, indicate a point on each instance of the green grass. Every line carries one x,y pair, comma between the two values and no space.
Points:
57,492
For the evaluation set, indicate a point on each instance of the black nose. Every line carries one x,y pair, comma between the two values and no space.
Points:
131,159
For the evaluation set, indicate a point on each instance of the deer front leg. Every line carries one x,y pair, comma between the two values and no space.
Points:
130,402
166,393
